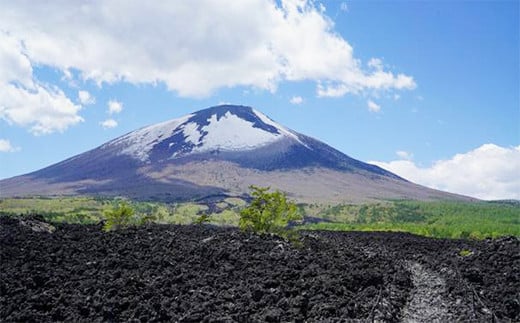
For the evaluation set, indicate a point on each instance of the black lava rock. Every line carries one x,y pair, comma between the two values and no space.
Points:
198,273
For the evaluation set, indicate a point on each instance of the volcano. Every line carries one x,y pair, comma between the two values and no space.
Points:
217,152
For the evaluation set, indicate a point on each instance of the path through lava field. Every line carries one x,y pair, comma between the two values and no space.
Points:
203,273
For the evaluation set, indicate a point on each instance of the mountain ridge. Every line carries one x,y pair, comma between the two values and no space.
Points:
219,150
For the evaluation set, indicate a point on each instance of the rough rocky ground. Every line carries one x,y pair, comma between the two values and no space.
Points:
202,273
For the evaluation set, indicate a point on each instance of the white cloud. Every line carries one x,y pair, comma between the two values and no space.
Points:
296,100
177,43
26,102
404,155
6,147
114,107
85,98
108,123
378,80
373,107
488,172
375,63
343,7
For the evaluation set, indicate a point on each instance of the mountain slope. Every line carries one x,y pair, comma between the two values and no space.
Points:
217,151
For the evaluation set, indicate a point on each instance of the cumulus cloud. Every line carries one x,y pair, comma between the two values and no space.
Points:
114,107
7,147
85,98
296,100
373,107
26,102
194,51
108,123
488,172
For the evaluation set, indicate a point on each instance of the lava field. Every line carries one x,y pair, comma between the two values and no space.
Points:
211,274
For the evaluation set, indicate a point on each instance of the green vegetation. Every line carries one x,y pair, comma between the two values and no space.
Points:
433,219
204,218
118,218
84,210
89,210
465,253
269,212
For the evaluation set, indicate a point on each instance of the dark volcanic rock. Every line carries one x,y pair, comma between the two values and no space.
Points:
200,273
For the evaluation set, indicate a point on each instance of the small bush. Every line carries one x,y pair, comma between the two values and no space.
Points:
147,219
465,253
118,217
203,218
269,212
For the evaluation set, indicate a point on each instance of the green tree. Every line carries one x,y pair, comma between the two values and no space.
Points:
118,217
269,212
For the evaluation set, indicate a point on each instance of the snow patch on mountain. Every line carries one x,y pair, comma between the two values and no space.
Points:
237,129
191,134
265,119
229,133
140,143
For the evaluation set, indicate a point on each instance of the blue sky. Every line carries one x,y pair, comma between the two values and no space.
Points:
427,89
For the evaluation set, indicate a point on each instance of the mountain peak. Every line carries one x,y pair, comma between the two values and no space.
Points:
223,108
218,151
223,128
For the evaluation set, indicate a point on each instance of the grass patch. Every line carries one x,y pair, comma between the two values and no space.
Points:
90,210
82,210
432,219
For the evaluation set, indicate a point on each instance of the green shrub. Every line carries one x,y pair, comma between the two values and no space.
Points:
118,217
269,212
465,253
147,219
203,218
